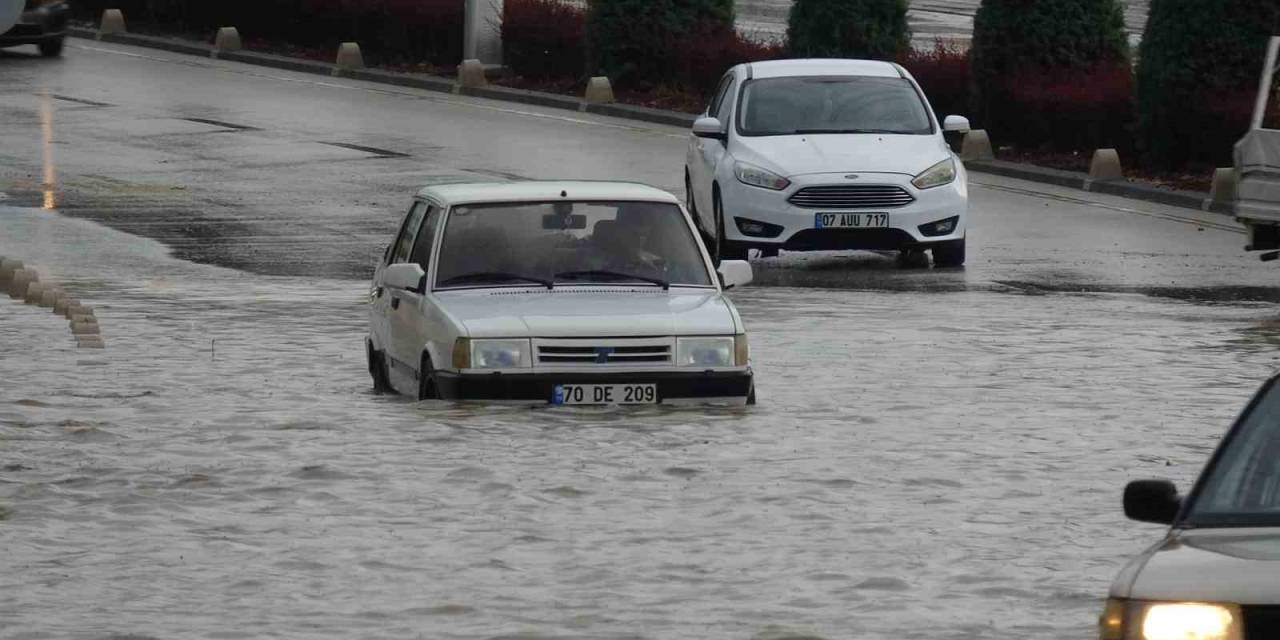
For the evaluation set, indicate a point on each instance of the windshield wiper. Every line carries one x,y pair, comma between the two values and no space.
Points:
616,275
886,131
495,276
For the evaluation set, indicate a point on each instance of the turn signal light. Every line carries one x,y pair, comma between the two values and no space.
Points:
462,353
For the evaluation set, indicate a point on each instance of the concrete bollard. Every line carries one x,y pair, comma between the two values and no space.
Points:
599,91
60,305
87,341
82,317
228,39
83,328
1225,189
50,298
78,310
977,146
35,291
21,279
7,267
471,74
349,58
1105,166
112,22
72,303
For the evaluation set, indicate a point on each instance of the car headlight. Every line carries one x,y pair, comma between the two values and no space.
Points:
757,177
492,354
1136,620
706,352
939,174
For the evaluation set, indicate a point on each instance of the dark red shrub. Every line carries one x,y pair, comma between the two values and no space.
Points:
944,74
544,39
1076,111
704,57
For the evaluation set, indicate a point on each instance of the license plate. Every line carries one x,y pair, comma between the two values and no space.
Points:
571,394
851,221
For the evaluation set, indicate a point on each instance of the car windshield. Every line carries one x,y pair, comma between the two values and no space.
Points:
850,104
569,243
1242,487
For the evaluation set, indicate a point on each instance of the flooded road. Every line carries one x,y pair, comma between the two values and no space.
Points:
936,453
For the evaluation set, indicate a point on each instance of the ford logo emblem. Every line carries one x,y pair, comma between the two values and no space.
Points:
852,176
602,354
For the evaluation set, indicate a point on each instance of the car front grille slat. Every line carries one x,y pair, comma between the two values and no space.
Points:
603,352
852,197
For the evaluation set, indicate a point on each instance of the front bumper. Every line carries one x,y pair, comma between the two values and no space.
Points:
793,228
38,25
682,387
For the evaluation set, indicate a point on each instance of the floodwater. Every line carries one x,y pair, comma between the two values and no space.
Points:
922,464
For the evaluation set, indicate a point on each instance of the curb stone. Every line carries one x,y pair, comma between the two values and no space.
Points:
1045,175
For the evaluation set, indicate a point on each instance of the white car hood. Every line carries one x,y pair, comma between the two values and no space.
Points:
569,312
1209,565
832,153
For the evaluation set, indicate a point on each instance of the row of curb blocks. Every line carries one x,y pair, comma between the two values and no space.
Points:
471,73
1106,167
23,283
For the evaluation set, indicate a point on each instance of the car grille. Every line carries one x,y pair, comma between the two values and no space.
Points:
603,352
859,196
1261,623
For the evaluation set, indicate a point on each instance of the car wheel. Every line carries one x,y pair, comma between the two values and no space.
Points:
51,48
427,389
377,369
725,249
949,254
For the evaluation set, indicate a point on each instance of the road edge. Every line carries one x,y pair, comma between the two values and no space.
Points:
1044,175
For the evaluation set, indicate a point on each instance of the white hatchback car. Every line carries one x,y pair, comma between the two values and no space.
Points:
809,155
556,292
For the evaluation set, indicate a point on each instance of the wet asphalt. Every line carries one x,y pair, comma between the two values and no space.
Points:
937,453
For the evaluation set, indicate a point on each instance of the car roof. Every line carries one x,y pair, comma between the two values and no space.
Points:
824,67
543,191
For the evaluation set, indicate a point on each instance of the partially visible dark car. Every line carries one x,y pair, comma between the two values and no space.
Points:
43,23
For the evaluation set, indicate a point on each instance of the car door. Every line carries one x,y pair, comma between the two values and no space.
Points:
411,313
386,299
705,153
378,299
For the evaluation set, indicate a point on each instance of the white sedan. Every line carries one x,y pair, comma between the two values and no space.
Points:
556,292
809,155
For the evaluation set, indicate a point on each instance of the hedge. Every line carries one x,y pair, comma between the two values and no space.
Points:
639,43
876,29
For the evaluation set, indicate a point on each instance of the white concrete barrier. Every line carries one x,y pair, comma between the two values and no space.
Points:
21,279
1105,166
977,146
50,298
83,328
88,341
60,305
78,310
1225,189
599,91
34,291
471,74
349,58
72,305
228,39
7,267
112,22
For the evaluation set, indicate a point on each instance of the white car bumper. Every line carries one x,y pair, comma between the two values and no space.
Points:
764,218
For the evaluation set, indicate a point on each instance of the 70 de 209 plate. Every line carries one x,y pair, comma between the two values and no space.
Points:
604,394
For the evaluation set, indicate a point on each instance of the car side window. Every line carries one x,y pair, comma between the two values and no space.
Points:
426,238
404,241
714,108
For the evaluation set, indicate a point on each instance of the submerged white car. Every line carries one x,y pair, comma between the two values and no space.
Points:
808,155
558,293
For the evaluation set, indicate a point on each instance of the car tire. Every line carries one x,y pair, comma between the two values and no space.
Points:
949,254
51,48
427,389
725,249
377,369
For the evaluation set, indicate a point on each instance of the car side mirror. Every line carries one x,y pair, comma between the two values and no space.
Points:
1154,501
709,128
735,273
405,275
955,124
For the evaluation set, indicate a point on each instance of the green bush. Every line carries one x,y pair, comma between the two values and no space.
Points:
1062,39
1197,77
636,42
875,29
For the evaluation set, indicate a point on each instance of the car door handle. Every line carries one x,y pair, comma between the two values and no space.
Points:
395,302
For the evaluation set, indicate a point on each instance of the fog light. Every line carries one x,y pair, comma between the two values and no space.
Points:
757,229
940,228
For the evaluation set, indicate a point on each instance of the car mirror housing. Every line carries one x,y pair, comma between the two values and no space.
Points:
955,124
735,273
406,275
1154,501
708,128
